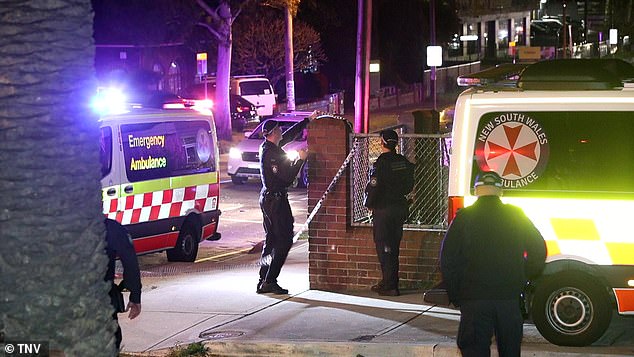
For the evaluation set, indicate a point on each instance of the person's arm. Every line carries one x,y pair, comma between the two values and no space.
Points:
282,167
293,132
535,250
451,259
373,188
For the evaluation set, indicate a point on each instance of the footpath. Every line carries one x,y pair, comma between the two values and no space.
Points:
221,308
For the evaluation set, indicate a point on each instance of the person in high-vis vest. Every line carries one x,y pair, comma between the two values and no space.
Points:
489,252
391,178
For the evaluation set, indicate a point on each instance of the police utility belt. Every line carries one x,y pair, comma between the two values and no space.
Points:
268,193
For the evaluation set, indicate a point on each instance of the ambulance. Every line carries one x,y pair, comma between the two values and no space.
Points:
561,135
160,171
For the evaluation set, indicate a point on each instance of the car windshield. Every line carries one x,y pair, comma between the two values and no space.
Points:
257,132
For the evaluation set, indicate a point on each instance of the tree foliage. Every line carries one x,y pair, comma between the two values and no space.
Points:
259,45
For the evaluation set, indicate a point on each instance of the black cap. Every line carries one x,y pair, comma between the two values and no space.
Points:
488,178
389,137
268,126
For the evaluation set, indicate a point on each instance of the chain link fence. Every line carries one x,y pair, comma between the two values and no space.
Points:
430,153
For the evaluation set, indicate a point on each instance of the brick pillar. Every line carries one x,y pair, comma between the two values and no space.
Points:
342,257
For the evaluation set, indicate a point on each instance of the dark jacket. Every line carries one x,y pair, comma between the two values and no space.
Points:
490,251
278,172
119,244
391,178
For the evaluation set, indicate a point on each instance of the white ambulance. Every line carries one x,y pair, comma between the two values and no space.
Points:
160,173
561,135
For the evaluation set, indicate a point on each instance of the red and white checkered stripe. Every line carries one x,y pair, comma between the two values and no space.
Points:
155,205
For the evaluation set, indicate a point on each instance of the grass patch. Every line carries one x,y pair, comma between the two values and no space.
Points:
194,350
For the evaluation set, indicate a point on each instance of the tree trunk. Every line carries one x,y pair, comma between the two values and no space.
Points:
223,73
52,261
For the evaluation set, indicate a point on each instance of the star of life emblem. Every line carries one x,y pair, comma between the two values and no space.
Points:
515,146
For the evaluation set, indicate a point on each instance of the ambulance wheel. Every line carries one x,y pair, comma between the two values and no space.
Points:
186,248
571,310
238,180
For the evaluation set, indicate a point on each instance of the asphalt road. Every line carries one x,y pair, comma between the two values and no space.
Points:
240,226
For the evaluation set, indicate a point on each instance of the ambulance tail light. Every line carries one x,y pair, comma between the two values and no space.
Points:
203,106
455,203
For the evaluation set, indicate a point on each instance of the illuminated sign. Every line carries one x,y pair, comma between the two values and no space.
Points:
515,146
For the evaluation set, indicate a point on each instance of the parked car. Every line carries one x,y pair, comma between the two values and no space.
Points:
243,113
244,160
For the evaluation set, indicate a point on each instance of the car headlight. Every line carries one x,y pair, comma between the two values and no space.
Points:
235,153
292,155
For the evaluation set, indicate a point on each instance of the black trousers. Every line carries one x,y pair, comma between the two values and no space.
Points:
118,336
388,232
278,228
482,319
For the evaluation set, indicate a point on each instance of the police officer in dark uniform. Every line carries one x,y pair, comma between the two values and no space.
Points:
278,173
119,244
489,252
391,178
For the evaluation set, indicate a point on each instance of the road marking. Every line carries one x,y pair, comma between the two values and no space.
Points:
250,221
223,255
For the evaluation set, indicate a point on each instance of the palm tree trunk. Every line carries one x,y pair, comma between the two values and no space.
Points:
52,260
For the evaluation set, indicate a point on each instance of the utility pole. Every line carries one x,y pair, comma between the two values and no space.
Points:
432,42
290,78
362,77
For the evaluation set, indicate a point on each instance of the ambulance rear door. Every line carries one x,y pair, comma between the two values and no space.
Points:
110,157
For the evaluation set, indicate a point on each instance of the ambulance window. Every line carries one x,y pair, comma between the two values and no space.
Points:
559,154
167,149
105,150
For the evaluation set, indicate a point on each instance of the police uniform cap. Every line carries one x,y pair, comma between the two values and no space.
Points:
389,136
269,126
488,178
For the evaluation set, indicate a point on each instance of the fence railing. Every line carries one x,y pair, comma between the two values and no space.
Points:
430,154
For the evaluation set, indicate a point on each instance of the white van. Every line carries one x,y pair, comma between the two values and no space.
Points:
160,173
257,90
560,133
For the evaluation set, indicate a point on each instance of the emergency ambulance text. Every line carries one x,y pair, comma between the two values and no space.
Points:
146,141
149,163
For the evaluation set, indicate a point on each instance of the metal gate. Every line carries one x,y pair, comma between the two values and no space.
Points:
430,154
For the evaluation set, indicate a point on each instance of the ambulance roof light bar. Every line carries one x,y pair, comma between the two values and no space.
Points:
503,75
562,74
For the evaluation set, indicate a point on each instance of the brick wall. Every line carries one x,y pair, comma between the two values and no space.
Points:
342,257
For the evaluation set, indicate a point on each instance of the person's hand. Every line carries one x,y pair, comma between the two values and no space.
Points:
134,308
303,153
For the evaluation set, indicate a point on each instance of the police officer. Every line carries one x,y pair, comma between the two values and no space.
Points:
119,244
391,178
489,252
278,173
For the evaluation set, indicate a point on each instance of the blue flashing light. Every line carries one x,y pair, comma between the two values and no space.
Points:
109,101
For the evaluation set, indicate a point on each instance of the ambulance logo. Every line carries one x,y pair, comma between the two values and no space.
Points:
515,146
